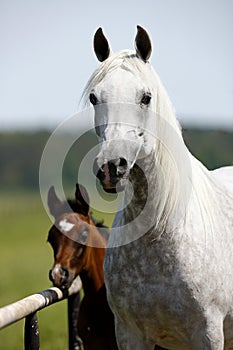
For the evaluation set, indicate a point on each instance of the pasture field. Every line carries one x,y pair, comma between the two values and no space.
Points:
25,256
25,259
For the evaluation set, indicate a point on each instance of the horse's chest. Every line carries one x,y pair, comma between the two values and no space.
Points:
143,290
156,289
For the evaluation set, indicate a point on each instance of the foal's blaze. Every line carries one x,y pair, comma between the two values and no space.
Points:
74,239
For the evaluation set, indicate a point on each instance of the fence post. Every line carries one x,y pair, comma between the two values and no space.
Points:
27,308
75,342
31,333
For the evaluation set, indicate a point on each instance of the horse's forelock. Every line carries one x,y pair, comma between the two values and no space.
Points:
126,59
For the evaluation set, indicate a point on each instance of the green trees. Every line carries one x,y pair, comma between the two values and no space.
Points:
20,154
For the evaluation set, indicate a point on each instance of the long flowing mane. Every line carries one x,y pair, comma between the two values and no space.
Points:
176,166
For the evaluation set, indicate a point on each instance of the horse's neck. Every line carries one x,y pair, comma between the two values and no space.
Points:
92,282
93,277
158,193
138,192
140,195
169,193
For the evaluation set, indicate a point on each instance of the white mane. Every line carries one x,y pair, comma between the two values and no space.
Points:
171,154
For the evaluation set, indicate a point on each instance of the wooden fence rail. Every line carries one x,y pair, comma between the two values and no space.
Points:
28,307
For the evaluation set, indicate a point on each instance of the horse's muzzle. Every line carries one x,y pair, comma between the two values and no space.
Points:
112,174
60,277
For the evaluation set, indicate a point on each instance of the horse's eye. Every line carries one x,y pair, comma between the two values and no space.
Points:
146,98
93,99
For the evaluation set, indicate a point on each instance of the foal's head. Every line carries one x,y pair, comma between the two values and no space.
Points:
71,236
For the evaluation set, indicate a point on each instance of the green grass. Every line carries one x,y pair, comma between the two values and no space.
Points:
25,259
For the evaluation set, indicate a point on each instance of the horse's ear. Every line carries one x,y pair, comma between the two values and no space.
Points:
101,46
82,199
54,203
143,44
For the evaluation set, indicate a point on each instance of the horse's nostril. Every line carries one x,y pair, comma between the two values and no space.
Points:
59,276
121,167
65,272
115,168
123,162
111,173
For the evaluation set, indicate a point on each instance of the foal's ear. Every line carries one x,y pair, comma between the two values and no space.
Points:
143,44
54,203
101,46
82,199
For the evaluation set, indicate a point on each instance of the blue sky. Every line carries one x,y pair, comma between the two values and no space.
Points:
47,55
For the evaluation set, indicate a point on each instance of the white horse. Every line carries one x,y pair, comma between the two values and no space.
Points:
169,266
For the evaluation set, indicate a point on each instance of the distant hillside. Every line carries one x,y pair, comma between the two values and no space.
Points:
20,154
214,148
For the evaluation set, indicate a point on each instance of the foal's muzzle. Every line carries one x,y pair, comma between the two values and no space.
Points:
60,277
112,174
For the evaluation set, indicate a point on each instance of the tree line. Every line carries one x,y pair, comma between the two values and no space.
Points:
20,154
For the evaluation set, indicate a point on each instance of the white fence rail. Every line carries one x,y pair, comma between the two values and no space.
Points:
29,306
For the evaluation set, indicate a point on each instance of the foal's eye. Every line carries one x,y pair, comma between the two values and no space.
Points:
146,98
93,99
83,237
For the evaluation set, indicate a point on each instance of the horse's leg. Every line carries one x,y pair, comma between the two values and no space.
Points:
126,340
209,335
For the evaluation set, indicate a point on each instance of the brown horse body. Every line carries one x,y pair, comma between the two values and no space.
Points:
75,240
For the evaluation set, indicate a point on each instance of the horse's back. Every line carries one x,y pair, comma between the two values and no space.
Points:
224,176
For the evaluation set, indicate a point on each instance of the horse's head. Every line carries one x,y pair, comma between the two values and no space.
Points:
123,99
68,237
